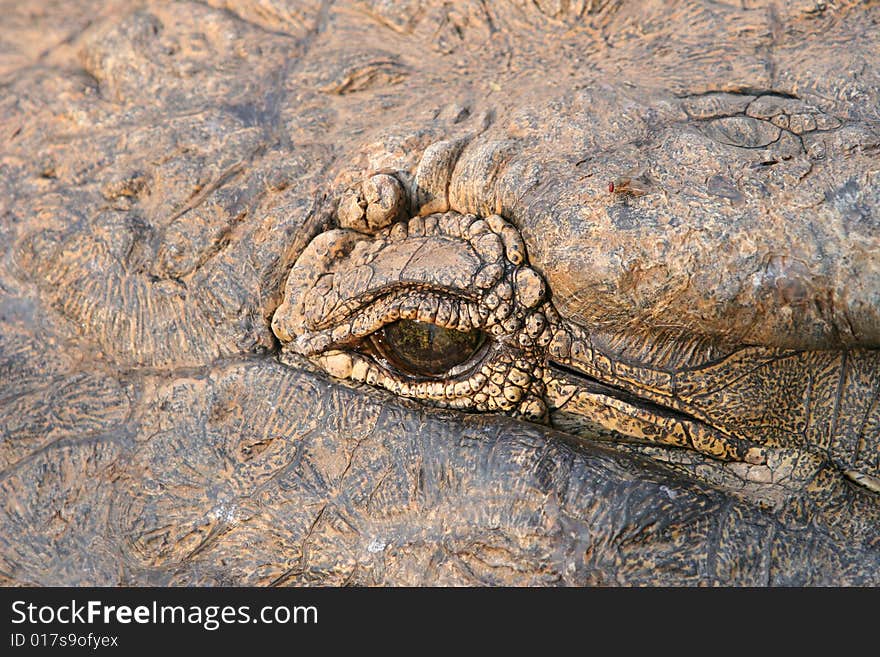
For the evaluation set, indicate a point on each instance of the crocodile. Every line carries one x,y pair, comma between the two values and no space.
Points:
588,296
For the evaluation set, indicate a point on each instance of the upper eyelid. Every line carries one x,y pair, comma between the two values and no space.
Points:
396,294
350,326
355,264
350,308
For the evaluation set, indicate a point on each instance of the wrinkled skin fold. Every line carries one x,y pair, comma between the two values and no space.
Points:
665,224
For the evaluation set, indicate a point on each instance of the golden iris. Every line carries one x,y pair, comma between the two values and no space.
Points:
425,349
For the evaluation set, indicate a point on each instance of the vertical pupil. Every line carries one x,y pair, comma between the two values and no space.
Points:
422,348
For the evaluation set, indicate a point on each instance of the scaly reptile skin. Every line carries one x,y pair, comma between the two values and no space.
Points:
164,166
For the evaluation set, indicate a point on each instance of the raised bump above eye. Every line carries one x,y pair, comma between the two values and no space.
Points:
424,349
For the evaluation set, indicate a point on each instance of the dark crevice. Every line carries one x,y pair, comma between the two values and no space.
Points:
595,386
202,371
741,91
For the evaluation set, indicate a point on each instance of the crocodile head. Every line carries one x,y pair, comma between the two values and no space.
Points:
431,292
687,273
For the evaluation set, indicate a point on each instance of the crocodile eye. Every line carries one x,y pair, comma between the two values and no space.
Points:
426,350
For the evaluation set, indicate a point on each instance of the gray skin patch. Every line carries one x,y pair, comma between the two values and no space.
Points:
721,186
847,200
742,131
627,217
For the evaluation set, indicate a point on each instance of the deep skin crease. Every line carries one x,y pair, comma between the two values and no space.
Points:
651,226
